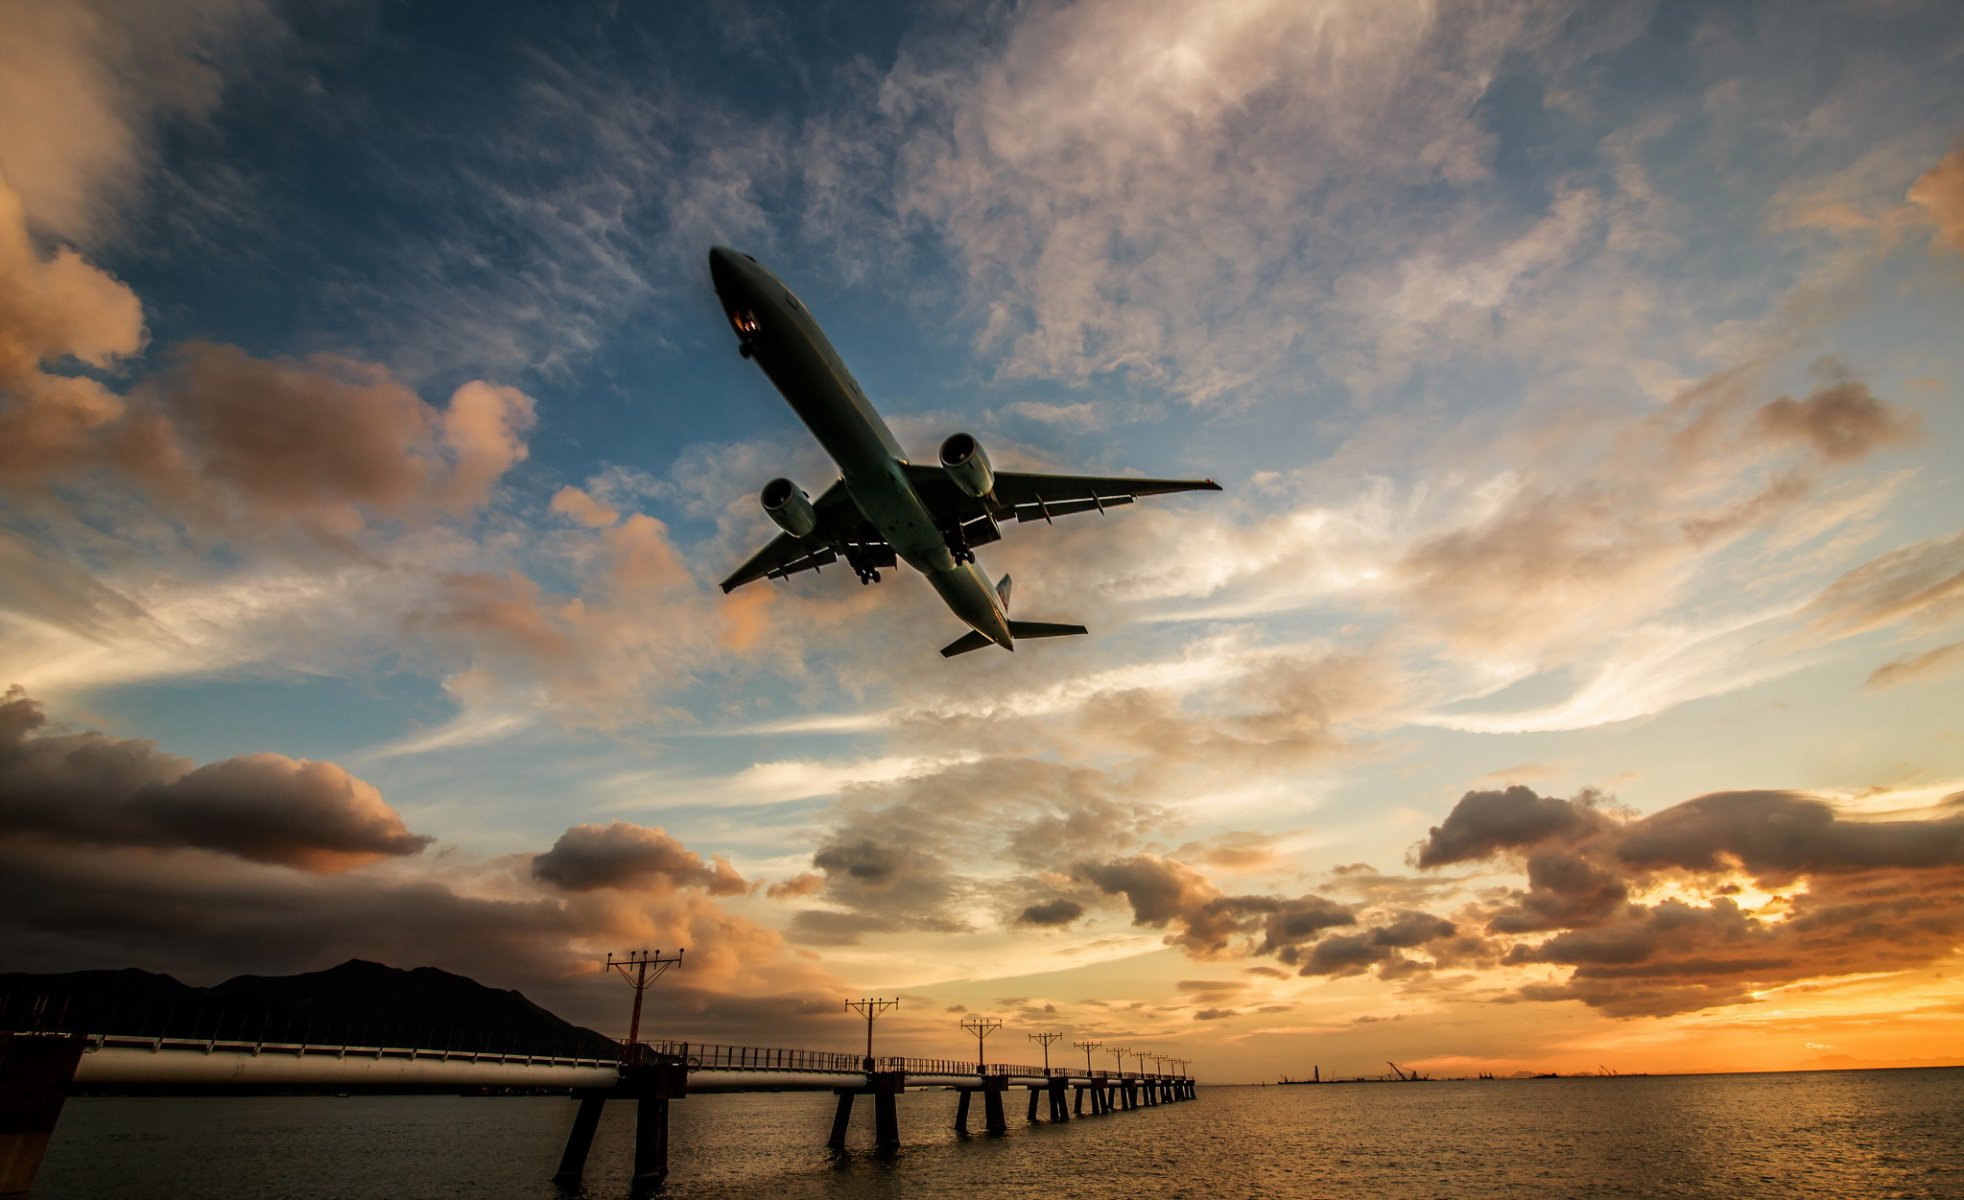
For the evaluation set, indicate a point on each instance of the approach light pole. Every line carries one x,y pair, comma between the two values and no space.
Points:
1087,1047
640,968
981,1027
1119,1052
1046,1039
870,1008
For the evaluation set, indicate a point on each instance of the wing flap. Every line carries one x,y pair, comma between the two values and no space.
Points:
1042,508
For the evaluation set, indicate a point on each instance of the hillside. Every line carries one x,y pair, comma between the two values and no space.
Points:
357,1003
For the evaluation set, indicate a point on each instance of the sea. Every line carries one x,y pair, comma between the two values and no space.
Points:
1865,1134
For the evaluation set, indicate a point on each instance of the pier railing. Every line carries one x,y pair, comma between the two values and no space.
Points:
101,1041
710,1056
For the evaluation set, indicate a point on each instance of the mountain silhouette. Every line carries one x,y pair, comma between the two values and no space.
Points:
358,1003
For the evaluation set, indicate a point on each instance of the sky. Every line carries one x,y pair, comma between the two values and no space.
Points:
1568,676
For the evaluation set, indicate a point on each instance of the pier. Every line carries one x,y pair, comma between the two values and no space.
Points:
38,1070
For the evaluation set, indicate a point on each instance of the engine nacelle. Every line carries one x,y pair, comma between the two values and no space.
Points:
790,508
968,465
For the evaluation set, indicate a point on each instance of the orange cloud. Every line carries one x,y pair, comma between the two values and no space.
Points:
1939,192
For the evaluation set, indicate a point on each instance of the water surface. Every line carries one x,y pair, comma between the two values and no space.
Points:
1732,1137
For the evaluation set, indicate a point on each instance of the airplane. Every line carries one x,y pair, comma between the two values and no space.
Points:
885,507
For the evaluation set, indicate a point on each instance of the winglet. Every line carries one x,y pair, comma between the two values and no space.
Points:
1002,592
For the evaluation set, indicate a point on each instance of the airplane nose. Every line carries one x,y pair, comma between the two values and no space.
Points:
722,264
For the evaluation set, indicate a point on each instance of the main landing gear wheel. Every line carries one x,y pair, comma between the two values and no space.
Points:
869,575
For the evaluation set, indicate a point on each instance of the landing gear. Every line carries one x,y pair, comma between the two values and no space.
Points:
743,348
868,574
958,545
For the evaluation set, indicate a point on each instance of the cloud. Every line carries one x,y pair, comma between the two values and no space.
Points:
1912,667
1069,196
1841,421
52,309
631,858
1646,913
1060,911
82,84
582,509
326,442
800,885
1778,836
92,789
1484,823
1163,892
1922,583
1939,192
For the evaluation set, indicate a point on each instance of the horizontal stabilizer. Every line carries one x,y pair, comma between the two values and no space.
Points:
1017,629
1036,629
963,644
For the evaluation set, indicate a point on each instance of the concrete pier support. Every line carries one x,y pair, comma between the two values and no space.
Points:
842,1117
1128,1094
992,1087
35,1071
885,1088
992,1115
1059,1110
572,1163
652,1085
650,1143
1033,1089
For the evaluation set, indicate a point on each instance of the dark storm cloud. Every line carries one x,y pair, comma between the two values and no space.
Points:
93,789
1485,823
1055,912
630,857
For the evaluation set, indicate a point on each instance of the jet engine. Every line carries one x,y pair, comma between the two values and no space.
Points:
968,465
789,507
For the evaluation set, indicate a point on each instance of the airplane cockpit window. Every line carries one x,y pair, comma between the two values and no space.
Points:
744,320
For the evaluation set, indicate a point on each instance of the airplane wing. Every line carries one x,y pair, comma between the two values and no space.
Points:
840,525
1032,497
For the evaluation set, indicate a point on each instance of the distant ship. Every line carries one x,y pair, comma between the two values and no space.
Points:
1316,1076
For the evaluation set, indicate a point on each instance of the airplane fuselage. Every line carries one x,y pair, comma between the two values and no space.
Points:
775,329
